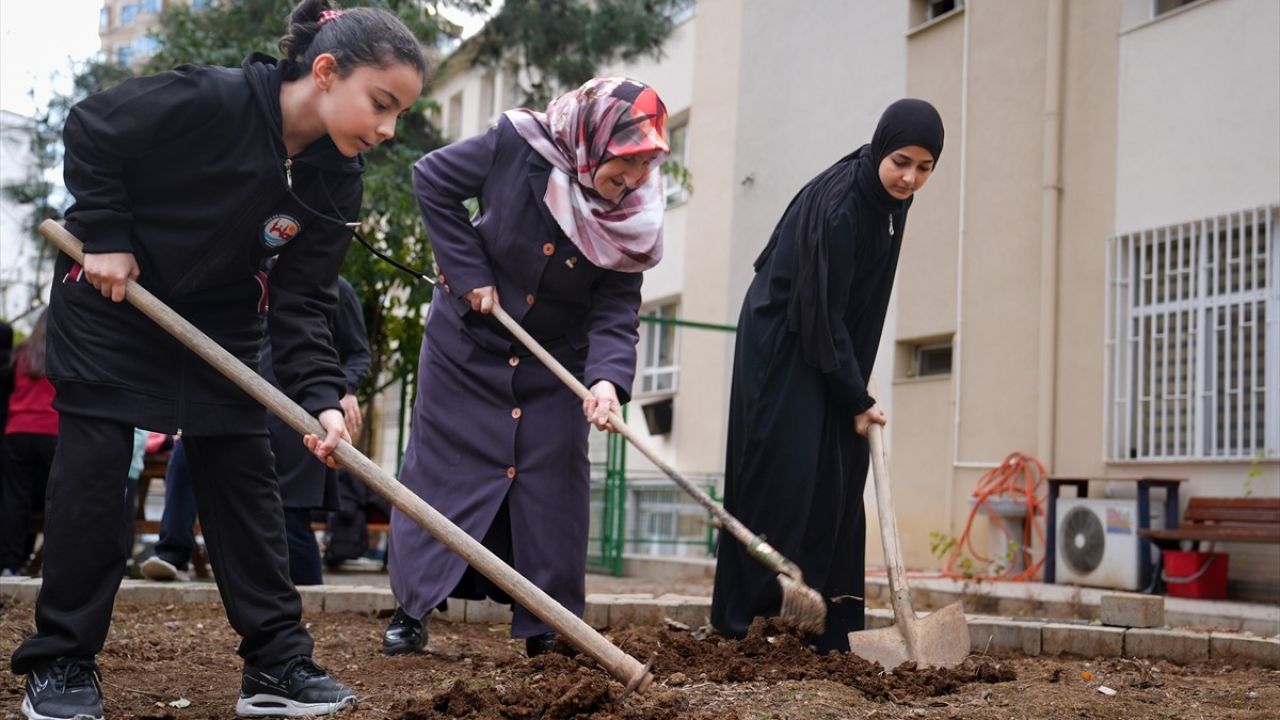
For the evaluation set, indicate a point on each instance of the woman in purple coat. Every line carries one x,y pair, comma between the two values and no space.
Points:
570,215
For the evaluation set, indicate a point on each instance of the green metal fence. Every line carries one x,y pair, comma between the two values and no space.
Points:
608,536
609,533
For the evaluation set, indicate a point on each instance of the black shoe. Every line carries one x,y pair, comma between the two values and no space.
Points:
538,644
65,689
404,635
293,689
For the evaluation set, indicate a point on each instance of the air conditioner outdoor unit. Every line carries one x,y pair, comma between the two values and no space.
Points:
1098,543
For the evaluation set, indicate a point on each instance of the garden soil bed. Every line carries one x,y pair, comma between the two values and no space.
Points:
157,655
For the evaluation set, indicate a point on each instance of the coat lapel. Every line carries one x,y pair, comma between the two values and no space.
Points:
539,174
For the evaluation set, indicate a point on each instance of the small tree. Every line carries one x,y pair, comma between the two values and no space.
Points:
41,191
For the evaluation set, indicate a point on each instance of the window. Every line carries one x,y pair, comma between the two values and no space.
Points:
681,10
151,6
933,360
923,11
1192,340
124,54
658,369
104,19
667,523
675,171
1160,7
200,4
145,46
923,357
454,118
128,13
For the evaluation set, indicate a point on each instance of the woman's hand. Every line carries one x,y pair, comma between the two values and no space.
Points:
110,273
603,400
351,413
482,299
874,414
335,429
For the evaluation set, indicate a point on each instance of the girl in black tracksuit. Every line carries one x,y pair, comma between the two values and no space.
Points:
186,181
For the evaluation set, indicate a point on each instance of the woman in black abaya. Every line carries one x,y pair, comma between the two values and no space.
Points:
799,410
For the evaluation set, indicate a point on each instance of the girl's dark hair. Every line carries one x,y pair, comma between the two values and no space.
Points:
33,348
360,36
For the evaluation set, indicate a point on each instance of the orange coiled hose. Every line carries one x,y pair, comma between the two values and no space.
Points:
1019,479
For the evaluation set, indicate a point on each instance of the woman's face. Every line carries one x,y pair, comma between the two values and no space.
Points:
906,170
620,174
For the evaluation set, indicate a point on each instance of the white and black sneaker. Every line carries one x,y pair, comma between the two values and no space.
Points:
65,689
293,689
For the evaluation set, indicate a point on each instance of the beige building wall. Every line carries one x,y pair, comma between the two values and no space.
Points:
781,90
1157,125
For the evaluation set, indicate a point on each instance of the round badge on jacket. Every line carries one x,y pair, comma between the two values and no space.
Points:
280,229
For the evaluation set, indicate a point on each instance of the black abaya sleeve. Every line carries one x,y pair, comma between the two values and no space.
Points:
846,382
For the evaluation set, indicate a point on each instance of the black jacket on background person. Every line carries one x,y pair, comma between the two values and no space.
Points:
186,170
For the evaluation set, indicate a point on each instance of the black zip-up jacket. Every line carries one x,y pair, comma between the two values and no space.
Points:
186,169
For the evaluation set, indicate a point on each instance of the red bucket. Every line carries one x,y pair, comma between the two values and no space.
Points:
1191,574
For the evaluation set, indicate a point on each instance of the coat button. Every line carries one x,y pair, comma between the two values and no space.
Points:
515,413
548,249
513,361
528,299
511,473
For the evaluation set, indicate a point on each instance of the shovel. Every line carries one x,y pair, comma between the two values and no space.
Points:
802,606
941,639
622,666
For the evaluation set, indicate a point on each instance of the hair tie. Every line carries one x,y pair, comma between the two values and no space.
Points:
329,15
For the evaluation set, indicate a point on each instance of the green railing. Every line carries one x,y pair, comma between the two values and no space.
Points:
609,538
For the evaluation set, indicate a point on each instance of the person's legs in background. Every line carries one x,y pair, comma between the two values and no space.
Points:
177,522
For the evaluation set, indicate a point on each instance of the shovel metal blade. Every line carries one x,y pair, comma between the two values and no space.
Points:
940,639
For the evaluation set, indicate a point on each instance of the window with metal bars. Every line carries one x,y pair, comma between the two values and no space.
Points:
1193,340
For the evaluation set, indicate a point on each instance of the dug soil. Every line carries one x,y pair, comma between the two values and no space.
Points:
179,662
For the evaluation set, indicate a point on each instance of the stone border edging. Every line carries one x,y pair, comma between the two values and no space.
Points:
987,633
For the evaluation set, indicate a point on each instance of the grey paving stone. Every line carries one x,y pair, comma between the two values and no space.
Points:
1134,610
1179,646
690,610
624,612
596,613
1081,640
487,611
987,634
366,600
1263,651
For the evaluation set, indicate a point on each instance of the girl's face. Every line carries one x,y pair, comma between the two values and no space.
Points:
618,175
906,170
360,110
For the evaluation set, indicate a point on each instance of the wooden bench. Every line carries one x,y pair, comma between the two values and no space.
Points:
1233,519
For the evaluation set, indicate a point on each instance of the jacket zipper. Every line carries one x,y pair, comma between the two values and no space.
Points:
288,172
891,224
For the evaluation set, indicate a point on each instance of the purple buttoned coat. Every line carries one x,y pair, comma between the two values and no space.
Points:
498,443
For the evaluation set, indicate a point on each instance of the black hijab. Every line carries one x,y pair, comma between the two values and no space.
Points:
905,122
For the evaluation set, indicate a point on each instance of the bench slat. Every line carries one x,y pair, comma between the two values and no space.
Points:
1232,515
1266,503
1221,533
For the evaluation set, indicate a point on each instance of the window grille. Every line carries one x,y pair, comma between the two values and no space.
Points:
1193,340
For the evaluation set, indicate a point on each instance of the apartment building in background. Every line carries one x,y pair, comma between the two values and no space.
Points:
125,27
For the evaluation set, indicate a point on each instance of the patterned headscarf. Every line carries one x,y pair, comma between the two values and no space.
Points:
583,129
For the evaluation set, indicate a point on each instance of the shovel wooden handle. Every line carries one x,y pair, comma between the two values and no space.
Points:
756,545
899,591
619,664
